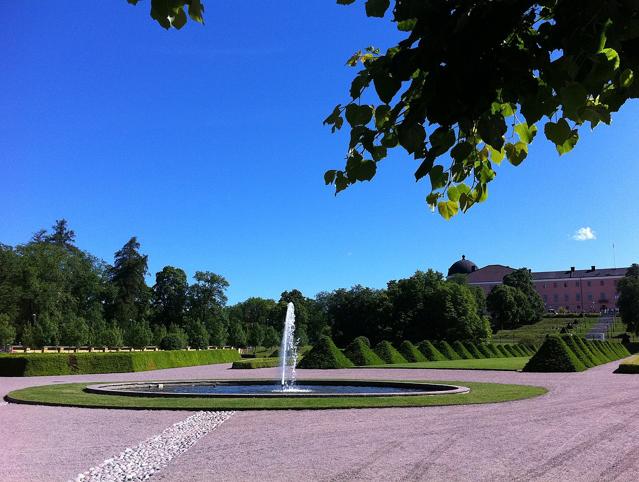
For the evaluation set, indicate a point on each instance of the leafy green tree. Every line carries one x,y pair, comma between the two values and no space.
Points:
131,302
206,302
218,334
111,336
628,301
237,334
138,334
255,334
532,306
7,331
61,236
169,296
459,96
74,331
175,338
198,335
300,303
503,307
272,337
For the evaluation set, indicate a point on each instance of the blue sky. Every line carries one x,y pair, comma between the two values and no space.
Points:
208,145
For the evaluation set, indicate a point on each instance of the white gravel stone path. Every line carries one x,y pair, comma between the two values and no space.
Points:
150,456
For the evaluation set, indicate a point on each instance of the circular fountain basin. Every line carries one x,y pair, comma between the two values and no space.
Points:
269,389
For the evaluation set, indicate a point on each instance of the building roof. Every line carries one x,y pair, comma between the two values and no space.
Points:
579,273
493,273
463,266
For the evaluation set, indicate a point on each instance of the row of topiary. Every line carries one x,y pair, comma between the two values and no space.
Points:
570,353
359,353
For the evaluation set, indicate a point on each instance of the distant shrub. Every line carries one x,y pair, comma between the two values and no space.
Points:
554,356
473,350
461,350
360,353
173,341
486,351
447,350
365,340
631,366
389,353
325,355
411,352
430,352
577,350
122,362
256,363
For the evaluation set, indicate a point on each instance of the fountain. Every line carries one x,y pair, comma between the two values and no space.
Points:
288,351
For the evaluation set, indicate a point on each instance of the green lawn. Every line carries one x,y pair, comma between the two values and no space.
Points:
536,333
478,364
72,394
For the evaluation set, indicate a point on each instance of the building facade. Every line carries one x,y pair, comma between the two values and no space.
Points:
573,290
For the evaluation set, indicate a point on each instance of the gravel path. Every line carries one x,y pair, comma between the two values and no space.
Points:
583,429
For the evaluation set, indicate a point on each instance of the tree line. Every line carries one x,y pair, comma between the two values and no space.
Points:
52,292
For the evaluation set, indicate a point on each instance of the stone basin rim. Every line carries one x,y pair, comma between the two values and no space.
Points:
137,389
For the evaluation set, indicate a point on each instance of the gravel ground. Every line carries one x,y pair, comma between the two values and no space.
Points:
582,430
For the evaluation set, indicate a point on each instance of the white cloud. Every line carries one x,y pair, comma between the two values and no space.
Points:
584,234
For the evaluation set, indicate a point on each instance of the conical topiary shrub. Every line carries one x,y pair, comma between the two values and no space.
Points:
447,350
325,355
430,352
502,352
473,350
554,356
485,349
388,353
594,358
461,350
411,353
510,349
361,354
596,348
576,349
519,350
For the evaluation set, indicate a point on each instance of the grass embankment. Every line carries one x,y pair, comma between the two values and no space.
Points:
511,364
72,394
27,365
249,363
630,367
536,333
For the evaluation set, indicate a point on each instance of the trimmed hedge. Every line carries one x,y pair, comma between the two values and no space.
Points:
461,350
256,363
519,350
43,364
360,353
576,349
592,355
325,355
487,351
430,352
630,367
474,351
554,356
501,351
447,350
411,353
388,353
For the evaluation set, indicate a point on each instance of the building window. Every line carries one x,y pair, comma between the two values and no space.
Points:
554,285
588,283
602,296
565,285
578,297
566,298
589,297
544,285
555,298
601,283
577,284
545,298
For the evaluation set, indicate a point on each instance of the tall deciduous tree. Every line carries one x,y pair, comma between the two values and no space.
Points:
628,301
169,296
127,276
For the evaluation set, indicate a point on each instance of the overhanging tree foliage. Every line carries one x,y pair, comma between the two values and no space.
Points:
471,84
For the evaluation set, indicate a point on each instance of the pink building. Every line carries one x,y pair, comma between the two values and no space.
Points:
574,290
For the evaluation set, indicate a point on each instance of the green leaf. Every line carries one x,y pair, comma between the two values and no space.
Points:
335,118
438,178
626,78
359,169
382,116
345,2
377,8
360,82
358,115
341,182
406,25
390,139
491,129
378,152
424,168
179,20
562,135
461,151
612,56
453,193
497,155
329,176
441,140
411,137
386,86
526,133
573,97
196,10
516,152
447,209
